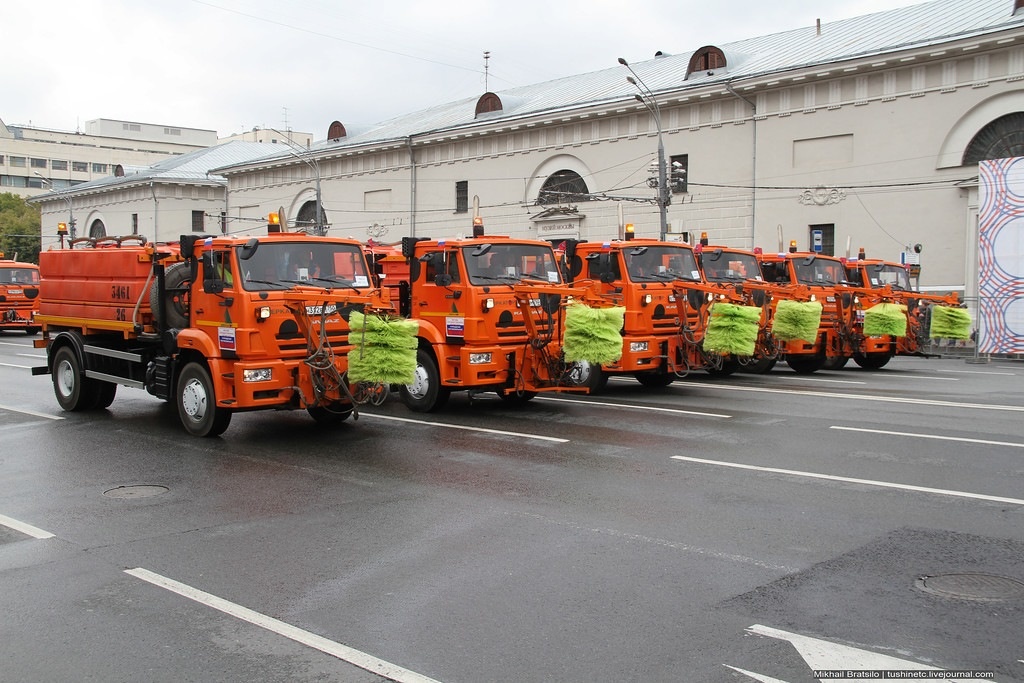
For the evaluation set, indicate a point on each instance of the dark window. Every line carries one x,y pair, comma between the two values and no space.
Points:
1000,139
563,187
198,221
135,224
97,229
440,263
59,165
828,238
678,168
38,163
18,162
79,167
462,196
99,168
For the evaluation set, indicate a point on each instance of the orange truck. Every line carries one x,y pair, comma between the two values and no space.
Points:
491,314
890,281
19,295
217,325
666,307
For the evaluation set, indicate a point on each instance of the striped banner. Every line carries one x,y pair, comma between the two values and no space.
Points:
1001,256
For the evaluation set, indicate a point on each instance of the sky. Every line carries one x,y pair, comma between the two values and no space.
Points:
233,65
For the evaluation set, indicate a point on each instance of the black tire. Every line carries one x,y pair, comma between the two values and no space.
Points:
654,379
331,415
804,364
517,398
728,367
761,366
105,395
871,361
197,404
175,304
425,394
835,363
74,391
591,376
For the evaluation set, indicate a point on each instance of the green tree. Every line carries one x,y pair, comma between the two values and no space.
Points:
20,228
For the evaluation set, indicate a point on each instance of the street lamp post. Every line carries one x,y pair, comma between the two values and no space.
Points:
646,98
71,208
319,228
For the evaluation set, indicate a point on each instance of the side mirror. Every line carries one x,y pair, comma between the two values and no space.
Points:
248,249
443,280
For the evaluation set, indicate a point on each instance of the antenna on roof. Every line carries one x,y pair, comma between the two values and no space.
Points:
487,57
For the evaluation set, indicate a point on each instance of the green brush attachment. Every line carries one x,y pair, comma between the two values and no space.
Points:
950,323
884,318
383,350
593,334
732,329
797,320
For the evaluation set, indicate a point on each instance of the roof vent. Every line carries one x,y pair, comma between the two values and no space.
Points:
707,58
659,53
336,131
118,171
487,103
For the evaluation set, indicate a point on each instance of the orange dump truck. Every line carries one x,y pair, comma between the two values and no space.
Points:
218,325
19,295
491,314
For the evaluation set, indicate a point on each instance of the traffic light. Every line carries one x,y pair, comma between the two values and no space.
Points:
273,222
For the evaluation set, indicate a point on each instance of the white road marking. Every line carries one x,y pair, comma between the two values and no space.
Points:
24,346
930,436
757,677
12,365
627,406
823,655
523,435
875,398
31,355
802,378
31,412
909,376
979,372
343,652
27,529
853,480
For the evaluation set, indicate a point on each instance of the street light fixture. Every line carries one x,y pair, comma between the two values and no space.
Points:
646,98
318,228
60,193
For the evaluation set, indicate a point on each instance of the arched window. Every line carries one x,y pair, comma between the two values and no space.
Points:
306,219
97,229
707,58
563,187
1000,139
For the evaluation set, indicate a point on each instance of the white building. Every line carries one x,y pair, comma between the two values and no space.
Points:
36,160
868,130
159,202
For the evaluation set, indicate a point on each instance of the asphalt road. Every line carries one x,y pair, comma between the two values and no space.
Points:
749,528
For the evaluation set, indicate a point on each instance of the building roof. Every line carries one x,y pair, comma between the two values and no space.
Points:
193,168
881,33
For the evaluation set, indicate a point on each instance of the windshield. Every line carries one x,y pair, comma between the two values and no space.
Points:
281,265
728,266
818,271
487,264
661,263
893,275
19,276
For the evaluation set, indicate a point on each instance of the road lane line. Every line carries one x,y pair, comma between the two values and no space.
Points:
853,480
345,653
876,398
929,436
627,406
12,365
30,412
803,378
501,432
979,372
27,529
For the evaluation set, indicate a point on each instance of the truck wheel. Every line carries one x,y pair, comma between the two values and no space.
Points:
728,367
197,403
334,414
425,394
589,375
760,367
804,364
74,391
105,395
175,304
654,378
517,398
835,363
871,361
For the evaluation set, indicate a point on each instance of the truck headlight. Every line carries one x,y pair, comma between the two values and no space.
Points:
479,358
257,375
637,347
262,313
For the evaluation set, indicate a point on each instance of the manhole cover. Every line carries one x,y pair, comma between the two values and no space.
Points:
141,491
972,586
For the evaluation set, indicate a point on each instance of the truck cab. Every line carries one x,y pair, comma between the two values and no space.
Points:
19,295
